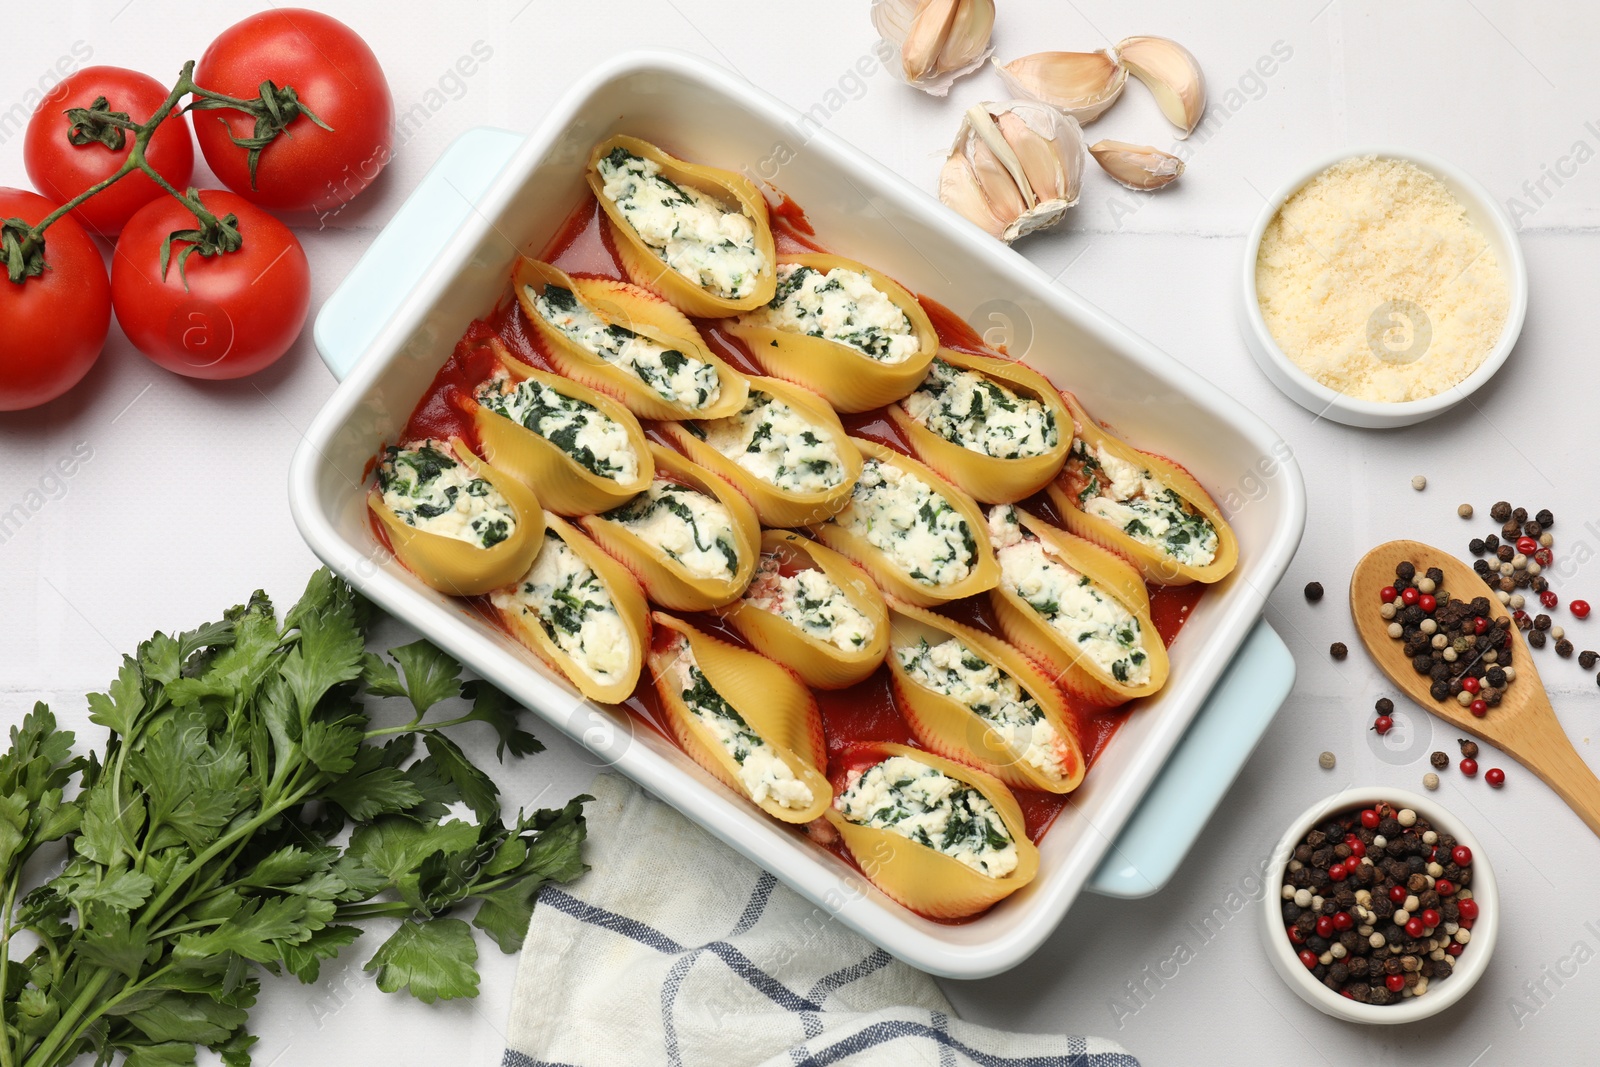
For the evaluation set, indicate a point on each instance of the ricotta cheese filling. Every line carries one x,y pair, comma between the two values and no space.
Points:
923,803
907,520
775,443
952,669
693,233
811,601
573,607
597,442
1083,614
678,379
840,305
981,415
1153,514
691,528
764,775
428,488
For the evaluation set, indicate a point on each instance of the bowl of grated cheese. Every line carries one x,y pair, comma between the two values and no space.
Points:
1381,287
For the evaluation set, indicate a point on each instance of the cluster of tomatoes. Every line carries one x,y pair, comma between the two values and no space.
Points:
292,114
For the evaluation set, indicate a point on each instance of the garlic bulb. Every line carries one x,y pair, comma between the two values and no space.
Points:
1080,84
1137,166
1173,76
937,40
1014,168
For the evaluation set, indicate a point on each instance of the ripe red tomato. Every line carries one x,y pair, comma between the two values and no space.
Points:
241,310
61,170
53,325
334,74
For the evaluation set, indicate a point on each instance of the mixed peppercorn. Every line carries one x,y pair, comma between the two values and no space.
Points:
1515,559
1456,643
1378,904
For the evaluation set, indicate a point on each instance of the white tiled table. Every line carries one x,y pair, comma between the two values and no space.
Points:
180,509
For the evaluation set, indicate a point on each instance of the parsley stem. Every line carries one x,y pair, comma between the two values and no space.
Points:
6,930
73,1020
417,726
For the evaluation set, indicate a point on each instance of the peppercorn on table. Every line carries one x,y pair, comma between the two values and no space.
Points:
104,538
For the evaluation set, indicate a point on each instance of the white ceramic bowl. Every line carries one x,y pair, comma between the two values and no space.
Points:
1470,965
1486,214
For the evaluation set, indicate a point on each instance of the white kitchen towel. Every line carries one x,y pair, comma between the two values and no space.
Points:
675,950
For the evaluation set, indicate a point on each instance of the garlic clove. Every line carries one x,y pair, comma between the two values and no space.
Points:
1172,75
1014,167
1081,84
938,41
959,189
1137,166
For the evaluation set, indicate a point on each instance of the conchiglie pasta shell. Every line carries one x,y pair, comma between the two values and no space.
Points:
1073,671
890,578
924,879
845,377
625,595
665,581
780,507
1156,566
984,477
820,664
640,261
456,567
950,729
635,309
565,486
771,700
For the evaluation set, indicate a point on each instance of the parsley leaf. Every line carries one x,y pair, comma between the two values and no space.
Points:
437,959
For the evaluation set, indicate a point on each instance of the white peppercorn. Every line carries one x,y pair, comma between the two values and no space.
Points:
1419,483
1406,817
1431,781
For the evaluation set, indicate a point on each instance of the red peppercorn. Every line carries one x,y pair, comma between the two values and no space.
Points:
1427,602
1342,920
1548,598
1338,872
1527,546
1495,777
1296,936
1387,594
1444,887
1324,925
1469,909
1469,767
1456,949
1480,625
1471,684
1429,916
1383,724
1395,982
1480,708
1580,609
1369,819
1519,615
1397,893
1309,958
1544,557
1461,856
1347,993
1466,924
1351,839
1357,849
1414,927
1410,596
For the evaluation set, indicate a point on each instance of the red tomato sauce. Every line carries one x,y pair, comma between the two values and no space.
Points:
852,718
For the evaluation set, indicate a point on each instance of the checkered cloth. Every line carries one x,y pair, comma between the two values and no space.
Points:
678,951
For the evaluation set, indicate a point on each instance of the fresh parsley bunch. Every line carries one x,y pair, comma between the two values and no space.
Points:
245,816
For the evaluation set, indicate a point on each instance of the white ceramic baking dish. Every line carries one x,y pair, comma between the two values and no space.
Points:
393,323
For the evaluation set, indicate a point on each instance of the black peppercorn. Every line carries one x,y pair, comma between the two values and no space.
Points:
1519,515
1501,511
1532,528
1545,519
1435,575
1422,663
1491,542
1496,676
1475,546
1563,648
1536,638
1440,690
1587,658
1440,760
1511,530
1405,570
1384,706
1313,591
1540,583
1469,749
1338,650
1504,553
1541,621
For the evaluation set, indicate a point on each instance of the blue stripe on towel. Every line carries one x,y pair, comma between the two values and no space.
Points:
869,1037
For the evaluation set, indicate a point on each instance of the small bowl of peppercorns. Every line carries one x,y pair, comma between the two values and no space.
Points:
1384,908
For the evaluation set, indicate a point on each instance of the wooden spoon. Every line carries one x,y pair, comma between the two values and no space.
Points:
1524,725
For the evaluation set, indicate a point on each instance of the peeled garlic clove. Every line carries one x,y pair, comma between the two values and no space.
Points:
1172,74
1081,84
1135,165
1014,168
938,40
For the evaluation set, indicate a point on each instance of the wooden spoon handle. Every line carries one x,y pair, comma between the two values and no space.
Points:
1555,760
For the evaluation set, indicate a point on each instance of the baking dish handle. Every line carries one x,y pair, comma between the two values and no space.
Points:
1219,741
378,285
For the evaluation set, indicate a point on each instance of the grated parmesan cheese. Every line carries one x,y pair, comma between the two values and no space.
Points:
1374,282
